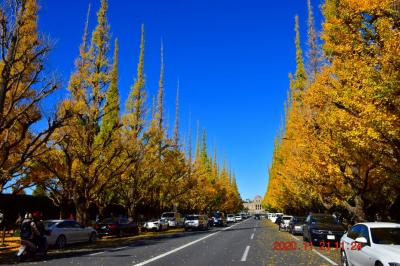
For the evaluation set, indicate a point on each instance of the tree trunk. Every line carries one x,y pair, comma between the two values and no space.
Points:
357,210
82,210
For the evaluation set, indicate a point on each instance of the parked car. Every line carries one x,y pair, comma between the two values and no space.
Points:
174,219
274,216
230,218
284,225
116,227
322,227
219,219
296,225
238,217
371,244
156,225
196,221
63,232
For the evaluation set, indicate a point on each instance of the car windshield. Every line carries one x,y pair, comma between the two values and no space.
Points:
168,215
287,217
325,219
49,224
230,215
299,220
192,217
109,220
386,236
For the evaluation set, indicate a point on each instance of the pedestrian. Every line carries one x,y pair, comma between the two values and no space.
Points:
1,217
2,226
18,223
378,217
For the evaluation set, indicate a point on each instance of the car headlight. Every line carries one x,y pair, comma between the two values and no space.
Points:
394,264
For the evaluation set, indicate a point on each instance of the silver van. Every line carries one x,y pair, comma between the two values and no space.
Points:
174,219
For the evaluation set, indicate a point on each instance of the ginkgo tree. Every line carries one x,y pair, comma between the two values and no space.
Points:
24,85
338,150
92,154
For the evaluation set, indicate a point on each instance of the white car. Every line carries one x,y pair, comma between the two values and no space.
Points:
374,244
231,218
238,217
156,224
63,232
285,222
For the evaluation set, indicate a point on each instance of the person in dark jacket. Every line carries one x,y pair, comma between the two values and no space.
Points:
39,230
278,221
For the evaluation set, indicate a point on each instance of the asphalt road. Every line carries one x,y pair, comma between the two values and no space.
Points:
251,242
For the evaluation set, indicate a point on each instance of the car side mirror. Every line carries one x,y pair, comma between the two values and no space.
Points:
361,240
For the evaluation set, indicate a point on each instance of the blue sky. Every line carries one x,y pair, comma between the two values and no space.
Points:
232,59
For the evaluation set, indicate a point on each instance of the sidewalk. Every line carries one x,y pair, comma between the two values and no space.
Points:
10,243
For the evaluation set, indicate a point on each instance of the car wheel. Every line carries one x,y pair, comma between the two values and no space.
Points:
378,263
61,242
93,237
343,258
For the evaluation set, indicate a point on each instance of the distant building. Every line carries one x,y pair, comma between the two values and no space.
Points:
254,206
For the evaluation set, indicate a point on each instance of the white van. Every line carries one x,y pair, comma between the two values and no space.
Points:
274,216
174,219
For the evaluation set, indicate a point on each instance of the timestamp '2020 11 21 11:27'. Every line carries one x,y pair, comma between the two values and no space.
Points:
294,246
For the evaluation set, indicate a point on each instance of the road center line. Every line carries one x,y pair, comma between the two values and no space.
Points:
252,236
174,250
181,247
246,252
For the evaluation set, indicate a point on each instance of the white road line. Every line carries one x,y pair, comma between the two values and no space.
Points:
319,254
252,236
326,258
119,248
246,252
94,254
181,247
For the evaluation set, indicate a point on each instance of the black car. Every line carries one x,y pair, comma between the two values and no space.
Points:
320,228
219,219
116,227
257,216
296,225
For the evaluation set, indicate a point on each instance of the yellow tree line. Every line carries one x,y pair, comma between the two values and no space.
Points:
339,148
